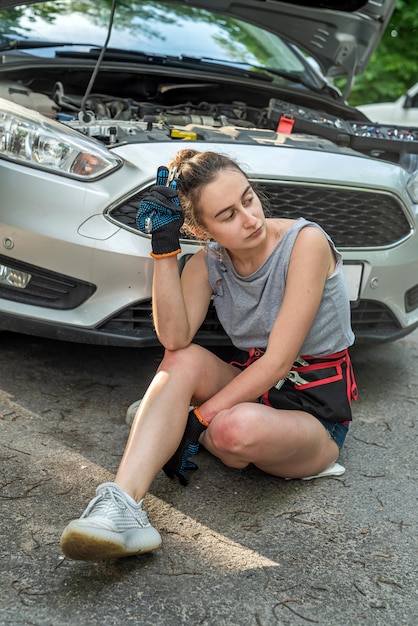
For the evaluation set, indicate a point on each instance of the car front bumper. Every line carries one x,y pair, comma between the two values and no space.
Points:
68,229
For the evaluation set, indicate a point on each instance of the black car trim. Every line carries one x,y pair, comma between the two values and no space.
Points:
364,316
377,219
46,288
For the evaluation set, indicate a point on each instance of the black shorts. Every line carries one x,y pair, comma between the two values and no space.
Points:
322,386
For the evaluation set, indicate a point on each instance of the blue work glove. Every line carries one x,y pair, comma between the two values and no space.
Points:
160,214
189,446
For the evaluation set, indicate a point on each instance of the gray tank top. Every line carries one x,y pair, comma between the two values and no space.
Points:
247,306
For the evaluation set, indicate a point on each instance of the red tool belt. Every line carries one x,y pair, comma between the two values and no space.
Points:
322,386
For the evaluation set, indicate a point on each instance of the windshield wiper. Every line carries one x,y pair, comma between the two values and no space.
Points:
182,61
260,71
18,44
117,54
293,77
253,69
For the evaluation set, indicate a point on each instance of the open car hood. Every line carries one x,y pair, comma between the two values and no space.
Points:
340,34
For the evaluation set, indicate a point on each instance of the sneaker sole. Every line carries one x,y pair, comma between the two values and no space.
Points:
100,545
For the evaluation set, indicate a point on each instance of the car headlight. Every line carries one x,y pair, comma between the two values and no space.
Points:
29,138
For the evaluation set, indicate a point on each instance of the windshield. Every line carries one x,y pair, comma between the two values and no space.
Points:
151,27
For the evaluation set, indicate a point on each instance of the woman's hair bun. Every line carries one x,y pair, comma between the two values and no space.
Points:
182,157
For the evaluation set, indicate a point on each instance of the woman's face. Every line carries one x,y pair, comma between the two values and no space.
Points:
232,212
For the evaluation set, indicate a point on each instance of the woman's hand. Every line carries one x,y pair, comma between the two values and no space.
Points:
160,214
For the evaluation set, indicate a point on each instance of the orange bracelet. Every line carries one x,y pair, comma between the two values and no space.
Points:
199,417
165,255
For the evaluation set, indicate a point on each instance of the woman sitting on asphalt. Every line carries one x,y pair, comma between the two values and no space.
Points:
283,404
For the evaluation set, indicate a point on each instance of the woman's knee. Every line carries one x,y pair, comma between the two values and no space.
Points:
230,431
181,360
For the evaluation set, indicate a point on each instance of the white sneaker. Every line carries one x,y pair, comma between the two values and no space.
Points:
334,470
131,412
132,409
110,528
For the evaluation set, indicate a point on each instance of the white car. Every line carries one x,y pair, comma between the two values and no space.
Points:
402,112
94,96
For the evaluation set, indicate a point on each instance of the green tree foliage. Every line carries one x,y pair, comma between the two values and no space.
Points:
393,68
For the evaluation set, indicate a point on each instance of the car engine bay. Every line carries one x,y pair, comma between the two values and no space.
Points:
130,107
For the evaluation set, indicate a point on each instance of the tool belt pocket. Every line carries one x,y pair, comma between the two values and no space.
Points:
315,374
309,372
322,386
328,381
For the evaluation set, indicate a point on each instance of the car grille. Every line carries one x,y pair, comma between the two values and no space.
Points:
370,320
137,320
46,288
353,218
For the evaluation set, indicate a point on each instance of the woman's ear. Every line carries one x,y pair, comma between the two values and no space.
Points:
200,233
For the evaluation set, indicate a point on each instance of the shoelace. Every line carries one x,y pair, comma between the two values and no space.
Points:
101,501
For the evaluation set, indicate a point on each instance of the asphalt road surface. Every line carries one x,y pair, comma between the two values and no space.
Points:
239,547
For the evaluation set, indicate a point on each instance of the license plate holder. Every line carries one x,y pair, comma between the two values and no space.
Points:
353,273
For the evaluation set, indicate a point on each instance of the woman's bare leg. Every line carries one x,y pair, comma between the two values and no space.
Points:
184,376
290,444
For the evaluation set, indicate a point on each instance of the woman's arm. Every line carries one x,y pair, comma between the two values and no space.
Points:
179,304
311,262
